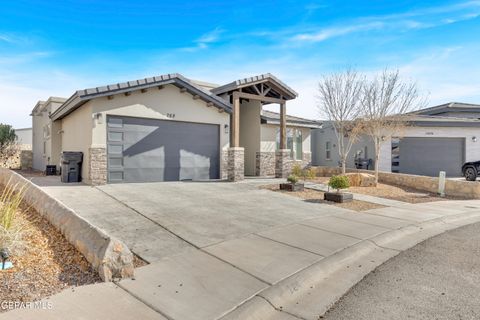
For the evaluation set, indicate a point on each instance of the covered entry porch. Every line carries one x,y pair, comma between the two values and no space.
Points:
247,97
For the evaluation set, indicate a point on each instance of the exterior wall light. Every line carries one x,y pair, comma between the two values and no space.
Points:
98,117
226,129
474,139
383,138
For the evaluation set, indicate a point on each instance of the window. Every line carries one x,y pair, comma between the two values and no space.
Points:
294,142
299,145
328,150
46,131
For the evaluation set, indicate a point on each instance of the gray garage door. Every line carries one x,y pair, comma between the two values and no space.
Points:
148,150
428,156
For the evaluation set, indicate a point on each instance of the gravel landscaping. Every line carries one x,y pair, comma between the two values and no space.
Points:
393,192
47,265
317,197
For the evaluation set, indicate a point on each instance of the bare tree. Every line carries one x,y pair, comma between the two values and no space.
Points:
339,101
385,101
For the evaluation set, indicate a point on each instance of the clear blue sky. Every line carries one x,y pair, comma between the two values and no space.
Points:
52,48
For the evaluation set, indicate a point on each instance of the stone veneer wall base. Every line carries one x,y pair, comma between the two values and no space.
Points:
236,164
97,161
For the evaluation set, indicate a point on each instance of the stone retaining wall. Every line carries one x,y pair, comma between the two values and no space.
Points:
26,159
454,188
109,256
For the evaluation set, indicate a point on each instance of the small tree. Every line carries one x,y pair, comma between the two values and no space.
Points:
339,182
7,135
8,143
339,102
385,100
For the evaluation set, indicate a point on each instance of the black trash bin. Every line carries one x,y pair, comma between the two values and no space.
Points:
362,163
72,166
51,170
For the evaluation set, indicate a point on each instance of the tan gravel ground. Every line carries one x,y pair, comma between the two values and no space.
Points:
393,192
47,265
317,197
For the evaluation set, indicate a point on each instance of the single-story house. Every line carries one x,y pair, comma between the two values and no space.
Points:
439,138
24,138
169,128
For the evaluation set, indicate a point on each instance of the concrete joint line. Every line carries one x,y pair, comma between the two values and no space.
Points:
174,234
234,266
320,275
342,234
280,310
382,247
289,245
373,224
148,218
144,302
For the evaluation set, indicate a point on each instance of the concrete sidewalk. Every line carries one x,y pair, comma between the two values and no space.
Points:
290,271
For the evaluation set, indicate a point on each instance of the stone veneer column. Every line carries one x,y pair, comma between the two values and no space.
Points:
265,164
282,163
224,165
98,166
236,164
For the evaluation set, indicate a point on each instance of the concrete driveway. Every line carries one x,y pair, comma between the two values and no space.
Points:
157,220
233,251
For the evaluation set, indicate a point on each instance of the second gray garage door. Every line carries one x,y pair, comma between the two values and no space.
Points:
148,150
429,156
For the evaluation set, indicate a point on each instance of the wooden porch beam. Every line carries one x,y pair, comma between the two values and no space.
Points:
283,125
235,134
256,97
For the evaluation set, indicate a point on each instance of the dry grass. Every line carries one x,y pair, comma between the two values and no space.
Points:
315,196
47,265
398,193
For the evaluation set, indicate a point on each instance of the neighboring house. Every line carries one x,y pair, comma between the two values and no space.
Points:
24,138
171,128
46,144
439,138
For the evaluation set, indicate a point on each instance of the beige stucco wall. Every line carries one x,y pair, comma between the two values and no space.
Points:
157,104
269,138
77,134
39,120
250,133
165,104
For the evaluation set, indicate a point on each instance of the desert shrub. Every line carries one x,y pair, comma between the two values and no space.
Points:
297,170
338,182
309,173
11,231
292,179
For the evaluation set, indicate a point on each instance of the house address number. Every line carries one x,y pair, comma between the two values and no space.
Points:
171,115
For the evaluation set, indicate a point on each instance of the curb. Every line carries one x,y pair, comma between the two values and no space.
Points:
108,255
310,293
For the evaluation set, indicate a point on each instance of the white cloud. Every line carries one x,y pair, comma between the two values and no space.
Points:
333,32
412,20
205,40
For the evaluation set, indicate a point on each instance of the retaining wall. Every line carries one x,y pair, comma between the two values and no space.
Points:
454,188
109,256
